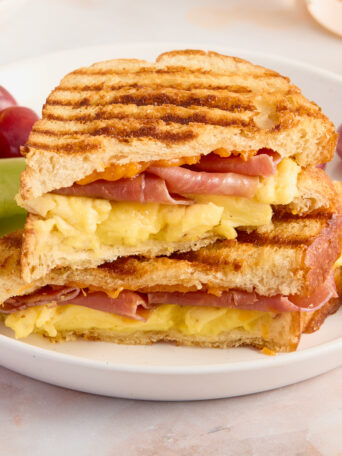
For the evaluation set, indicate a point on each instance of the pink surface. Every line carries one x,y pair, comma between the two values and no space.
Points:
303,419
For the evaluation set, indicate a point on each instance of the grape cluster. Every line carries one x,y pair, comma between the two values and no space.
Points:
15,125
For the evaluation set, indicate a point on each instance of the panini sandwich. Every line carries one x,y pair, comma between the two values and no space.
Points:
263,289
139,158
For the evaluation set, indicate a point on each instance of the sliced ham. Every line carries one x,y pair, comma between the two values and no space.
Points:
126,304
144,188
215,175
42,296
263,164
250,301
231,299
185,181
164,185
322,295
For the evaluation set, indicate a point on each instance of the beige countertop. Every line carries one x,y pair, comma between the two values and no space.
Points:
303,419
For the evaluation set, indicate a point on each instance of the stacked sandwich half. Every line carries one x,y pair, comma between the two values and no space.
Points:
175,201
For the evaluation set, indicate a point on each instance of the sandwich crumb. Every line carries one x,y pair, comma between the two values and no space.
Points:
268,352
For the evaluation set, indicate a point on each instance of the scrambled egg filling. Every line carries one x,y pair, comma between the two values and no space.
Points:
87,223
192,320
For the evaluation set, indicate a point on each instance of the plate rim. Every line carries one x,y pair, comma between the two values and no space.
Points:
280,359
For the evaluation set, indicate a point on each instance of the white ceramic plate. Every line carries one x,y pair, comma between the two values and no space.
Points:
165,372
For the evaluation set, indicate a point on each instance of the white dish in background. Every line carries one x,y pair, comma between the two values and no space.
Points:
328,13
166,372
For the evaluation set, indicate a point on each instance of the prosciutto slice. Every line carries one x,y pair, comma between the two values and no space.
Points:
263,164
250,301
126,304
42,296
144,188
322,295
185,181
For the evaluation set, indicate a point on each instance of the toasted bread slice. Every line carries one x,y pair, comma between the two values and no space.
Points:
186,103
312,322
279,332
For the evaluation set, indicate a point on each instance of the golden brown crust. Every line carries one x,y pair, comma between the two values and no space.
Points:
229,340
321,254
315,320
120,111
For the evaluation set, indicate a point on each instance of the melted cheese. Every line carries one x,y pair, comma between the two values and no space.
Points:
87,223
191,321
116,172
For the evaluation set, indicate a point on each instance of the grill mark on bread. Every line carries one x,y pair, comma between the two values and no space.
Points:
119,129
239,89
197,117
79,146
123,266
183,80
296,233
185,100
260,240
174,70
283,217
150,131
12,241
305,231
311,110
209,117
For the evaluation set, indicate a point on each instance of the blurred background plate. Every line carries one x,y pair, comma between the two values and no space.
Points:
327,13
166,372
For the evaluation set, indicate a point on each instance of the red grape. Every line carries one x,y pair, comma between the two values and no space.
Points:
6,99
15,126
339,141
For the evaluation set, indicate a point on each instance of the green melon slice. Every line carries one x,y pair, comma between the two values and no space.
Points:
10,170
